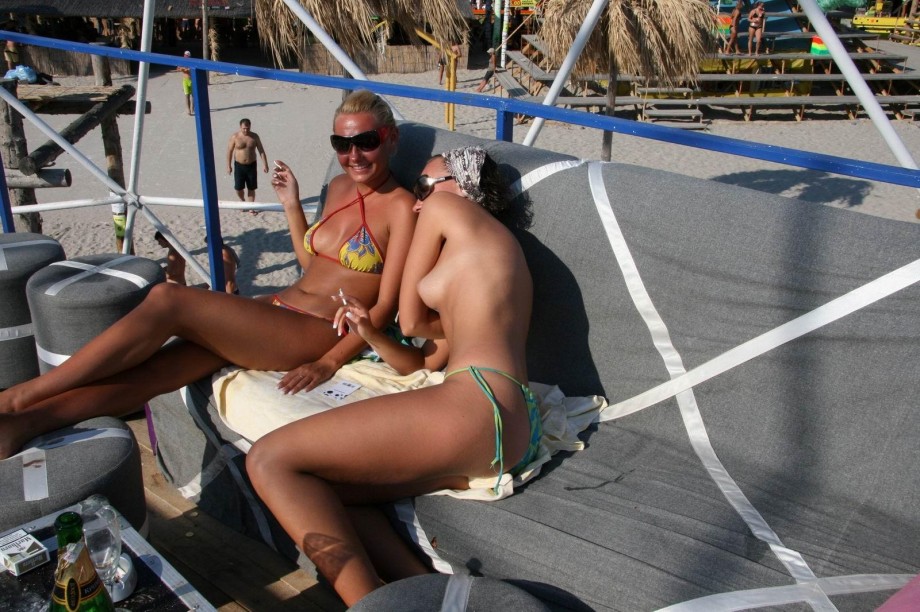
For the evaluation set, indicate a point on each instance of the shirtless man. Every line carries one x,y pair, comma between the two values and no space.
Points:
241,160
757,20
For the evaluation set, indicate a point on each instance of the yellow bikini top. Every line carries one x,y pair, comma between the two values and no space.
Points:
360,252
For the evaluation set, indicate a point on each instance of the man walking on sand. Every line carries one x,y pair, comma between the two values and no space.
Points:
187,84
241,160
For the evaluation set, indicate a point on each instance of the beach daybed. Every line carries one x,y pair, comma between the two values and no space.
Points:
768,472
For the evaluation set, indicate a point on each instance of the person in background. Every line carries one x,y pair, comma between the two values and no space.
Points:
732,42
757,21
231,264
489,72
187,85
242,159
175,263
443,61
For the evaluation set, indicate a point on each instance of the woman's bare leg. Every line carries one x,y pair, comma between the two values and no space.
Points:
401,444
249,333
175,366
389,553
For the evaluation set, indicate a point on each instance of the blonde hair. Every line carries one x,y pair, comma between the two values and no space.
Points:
366,101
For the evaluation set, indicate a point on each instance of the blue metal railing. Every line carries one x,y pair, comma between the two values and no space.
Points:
505,110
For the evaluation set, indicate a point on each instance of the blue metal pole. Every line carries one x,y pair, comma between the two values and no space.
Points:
6,207
504,125
208,177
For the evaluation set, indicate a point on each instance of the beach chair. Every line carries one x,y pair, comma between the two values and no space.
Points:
778,470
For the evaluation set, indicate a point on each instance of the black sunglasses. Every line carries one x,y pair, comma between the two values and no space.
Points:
365,141
424,185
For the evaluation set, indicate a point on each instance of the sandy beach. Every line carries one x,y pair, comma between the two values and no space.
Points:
294,122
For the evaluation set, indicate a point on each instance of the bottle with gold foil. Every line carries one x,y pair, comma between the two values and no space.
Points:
77,587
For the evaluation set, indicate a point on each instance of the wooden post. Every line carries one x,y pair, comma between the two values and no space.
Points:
80,127
13,142
111,143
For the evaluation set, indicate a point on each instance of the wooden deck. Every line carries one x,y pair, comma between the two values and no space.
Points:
230,570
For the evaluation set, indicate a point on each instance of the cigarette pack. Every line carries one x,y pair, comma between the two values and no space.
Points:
20,552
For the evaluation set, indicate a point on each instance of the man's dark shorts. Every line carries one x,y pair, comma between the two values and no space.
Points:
245,175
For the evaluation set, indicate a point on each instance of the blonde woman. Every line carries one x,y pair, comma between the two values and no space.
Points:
359,246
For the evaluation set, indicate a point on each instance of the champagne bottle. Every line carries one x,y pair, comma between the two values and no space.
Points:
68,527
77,587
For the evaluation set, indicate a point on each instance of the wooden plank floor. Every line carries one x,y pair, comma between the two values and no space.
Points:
230,570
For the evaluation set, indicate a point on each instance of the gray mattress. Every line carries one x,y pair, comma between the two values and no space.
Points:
815,439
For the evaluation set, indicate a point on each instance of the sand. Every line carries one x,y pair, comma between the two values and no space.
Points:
294,122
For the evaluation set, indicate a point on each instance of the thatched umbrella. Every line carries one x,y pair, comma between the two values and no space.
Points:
351,22
662,40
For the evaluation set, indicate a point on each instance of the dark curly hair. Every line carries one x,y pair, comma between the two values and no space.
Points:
498,200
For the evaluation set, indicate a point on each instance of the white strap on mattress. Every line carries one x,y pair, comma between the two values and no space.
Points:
457,593
89,270
34,475
211,471
693,420
828,313
16,331
35,465
788,594
228,452
405,512
535,176
4,247
50,358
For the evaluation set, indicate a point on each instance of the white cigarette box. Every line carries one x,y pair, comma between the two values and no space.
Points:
20,552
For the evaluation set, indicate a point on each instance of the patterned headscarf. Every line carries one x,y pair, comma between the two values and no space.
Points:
465,164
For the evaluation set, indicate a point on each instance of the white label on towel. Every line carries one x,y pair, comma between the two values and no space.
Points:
341,390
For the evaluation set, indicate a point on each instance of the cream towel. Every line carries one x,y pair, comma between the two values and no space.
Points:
250,403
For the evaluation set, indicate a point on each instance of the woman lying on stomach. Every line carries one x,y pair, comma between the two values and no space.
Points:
465,281
359,246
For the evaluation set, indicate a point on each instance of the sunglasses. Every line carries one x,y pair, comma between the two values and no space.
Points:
424,185
365,141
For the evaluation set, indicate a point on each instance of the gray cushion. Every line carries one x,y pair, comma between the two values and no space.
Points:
427,594
71,304
21,255
102,457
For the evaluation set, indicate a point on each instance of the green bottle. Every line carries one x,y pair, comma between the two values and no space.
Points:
77,587
68,527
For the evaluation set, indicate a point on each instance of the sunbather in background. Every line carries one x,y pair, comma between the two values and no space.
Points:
466,280
368,219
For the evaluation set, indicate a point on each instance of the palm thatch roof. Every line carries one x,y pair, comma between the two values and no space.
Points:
128,8
352,22
661,39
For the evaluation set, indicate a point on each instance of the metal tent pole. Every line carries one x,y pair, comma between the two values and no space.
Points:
143,71
849,70
593,16
333,47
